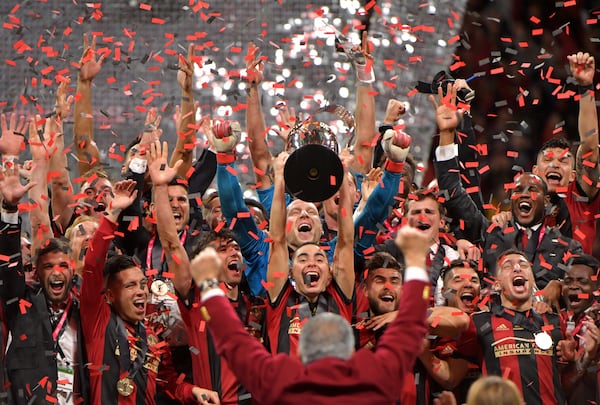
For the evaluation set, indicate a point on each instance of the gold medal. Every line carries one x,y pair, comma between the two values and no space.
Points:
125,387
543,340
159,288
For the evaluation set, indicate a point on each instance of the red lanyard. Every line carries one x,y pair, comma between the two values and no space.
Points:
63,318
151,246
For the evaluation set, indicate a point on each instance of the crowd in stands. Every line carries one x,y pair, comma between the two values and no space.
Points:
383,293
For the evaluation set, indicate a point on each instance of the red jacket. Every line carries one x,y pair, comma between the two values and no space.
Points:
368,377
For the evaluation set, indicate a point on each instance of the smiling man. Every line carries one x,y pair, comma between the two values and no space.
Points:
311,286
571,173
128,363
545,247
512,340
44,359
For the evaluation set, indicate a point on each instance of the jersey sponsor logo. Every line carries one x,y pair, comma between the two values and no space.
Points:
515,346
502,327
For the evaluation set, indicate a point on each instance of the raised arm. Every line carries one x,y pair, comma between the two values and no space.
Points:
365,107
277,273
458,203
255,120
250,238
83,120
586,165
395,144
12,279
186,131
40,153
343,259
62,201
92,287
177,258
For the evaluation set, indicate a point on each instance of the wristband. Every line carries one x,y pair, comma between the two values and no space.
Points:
9,207
585,89
208,284
365,73
225,158
394,167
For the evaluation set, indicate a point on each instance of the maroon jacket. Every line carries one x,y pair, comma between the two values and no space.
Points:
368,377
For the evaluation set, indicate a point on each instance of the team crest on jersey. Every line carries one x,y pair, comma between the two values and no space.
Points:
295,326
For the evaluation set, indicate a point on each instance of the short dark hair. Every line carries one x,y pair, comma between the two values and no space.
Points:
304,244
210,236
382,260
50,246
511,251
586,260
544,184
462,263
116,264
558,142
422,194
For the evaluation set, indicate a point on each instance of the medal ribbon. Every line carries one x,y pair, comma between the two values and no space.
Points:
151,246
126,365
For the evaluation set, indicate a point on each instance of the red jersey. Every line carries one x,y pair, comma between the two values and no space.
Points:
286,316
582,212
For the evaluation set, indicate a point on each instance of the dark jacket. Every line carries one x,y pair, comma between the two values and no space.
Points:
31,356
547,258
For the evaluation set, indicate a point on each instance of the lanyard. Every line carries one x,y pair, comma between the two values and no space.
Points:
59,326
151,246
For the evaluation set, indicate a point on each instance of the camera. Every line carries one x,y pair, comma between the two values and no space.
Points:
442,79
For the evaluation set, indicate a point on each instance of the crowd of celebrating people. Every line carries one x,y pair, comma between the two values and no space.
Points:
167,286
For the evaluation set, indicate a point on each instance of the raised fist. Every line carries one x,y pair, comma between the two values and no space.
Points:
396,144
226,135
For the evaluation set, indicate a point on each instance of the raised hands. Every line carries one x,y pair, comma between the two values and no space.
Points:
10,184
62,108
286,120
158,167
582,67
152,132
89,64
394,110
396,144
446,112
224,135
12,134
39,141
124,193
186,70
254,65
361,59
